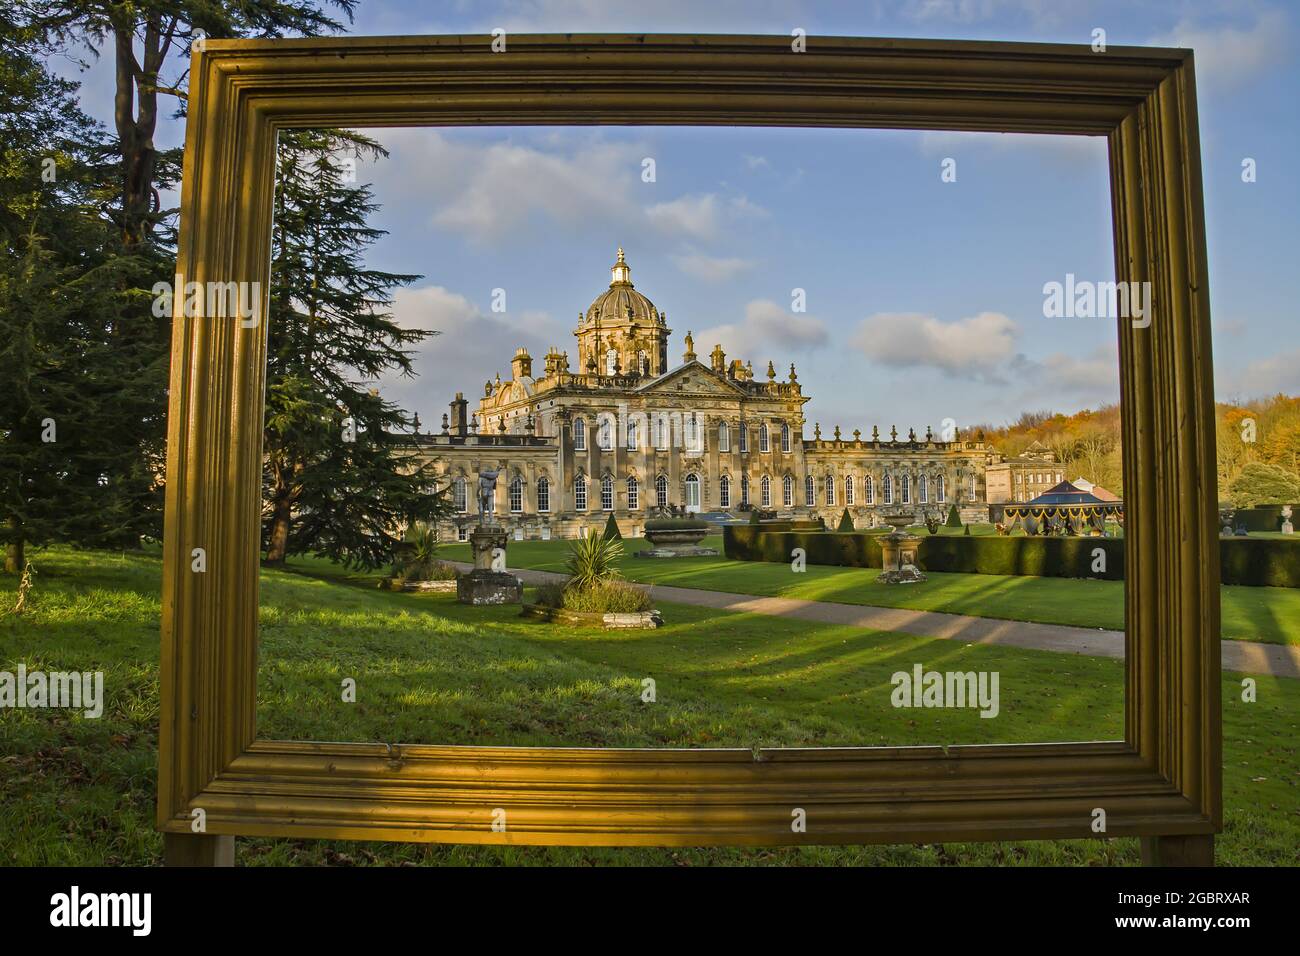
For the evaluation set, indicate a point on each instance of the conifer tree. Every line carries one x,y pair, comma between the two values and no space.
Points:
72,388
338,481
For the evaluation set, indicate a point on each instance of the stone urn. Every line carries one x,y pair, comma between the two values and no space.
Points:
898,553
676,542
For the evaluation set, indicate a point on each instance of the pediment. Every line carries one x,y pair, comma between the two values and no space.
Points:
692,378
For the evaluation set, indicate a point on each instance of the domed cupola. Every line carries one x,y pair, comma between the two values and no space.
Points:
622,332
621,304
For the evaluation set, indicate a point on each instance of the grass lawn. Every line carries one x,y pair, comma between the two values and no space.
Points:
1271,615
79,791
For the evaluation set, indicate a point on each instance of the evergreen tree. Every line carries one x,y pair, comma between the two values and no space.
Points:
846,521
611,529
337,479
954,518
1259,483
72,385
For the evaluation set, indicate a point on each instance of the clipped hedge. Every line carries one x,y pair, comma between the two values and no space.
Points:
1264,517
1258,562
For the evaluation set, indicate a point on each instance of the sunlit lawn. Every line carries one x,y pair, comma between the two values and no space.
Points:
81,791
1271,615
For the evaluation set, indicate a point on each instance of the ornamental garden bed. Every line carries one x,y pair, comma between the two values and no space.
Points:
611,620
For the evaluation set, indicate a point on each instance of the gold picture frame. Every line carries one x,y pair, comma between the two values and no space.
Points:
1162,782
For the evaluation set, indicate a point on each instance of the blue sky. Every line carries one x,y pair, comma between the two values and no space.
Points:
924,298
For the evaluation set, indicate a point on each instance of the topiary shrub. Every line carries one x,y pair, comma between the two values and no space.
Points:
954,518
846,522
967,531
611,530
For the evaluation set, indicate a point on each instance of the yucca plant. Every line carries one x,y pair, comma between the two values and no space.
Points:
592,560
421,552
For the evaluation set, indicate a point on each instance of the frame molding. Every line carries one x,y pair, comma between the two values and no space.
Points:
1162,780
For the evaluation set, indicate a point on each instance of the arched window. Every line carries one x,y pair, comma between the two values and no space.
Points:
579,434
744,489
633,438
633,493
889,488
809,492
543,494
940,488
787,491
607,493
830,489
724,436
661,491
605,434
611,362
661,431
850,496
785,437
923,489
580,492
972,487
907,489
762,437
744,438
692,430
516,495
765,492
692,493
458,497
869,487
724,492
642,362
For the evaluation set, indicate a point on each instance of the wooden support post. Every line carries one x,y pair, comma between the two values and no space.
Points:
198,849
1195,850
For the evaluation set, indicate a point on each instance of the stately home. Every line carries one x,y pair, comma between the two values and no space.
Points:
619,430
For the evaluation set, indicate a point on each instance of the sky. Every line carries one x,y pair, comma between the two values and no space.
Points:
924,297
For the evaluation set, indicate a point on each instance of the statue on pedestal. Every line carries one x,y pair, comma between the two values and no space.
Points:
487,486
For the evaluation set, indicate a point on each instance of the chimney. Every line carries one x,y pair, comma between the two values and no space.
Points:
460,415
719,358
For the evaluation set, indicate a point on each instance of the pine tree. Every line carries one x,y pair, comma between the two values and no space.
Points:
611,530
337,479
846,521
954,518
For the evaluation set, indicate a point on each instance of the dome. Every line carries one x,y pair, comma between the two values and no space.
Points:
611,307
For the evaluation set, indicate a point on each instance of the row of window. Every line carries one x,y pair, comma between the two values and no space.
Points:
903,488
663,427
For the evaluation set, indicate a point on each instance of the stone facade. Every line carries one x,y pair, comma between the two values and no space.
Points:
1024,477
626,434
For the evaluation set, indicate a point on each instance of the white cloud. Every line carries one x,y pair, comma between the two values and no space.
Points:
712,268
756,162
1262,377
1094,376
694,216
766,324
979,347
472,347
1229,56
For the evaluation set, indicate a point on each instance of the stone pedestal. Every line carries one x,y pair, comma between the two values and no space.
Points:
489,582
676,543
898,550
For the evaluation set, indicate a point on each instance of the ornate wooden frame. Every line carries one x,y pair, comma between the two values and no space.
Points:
1162,780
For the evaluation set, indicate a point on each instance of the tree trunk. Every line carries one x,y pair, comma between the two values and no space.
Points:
278,545
15,549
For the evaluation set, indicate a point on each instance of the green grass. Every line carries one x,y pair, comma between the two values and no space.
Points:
1270,615
78,791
